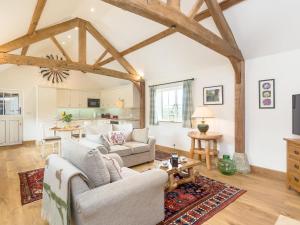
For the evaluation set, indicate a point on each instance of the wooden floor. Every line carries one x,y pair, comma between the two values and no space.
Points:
264,201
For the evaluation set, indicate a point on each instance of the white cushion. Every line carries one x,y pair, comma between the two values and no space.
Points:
126,129
140,135
137,147
121,150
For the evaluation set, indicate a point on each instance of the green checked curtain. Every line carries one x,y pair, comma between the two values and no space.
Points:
153,116
187,104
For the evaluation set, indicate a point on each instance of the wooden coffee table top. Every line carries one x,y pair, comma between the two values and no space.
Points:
181,166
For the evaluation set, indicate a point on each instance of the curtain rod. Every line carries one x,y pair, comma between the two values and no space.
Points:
171,82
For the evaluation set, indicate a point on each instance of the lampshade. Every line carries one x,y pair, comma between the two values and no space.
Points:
203,112
120,103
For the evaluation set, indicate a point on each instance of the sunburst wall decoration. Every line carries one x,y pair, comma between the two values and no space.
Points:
54,75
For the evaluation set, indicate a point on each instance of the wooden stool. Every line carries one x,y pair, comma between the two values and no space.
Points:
209,150
54,142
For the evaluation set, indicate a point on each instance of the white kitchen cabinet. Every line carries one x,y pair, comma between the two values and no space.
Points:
74,99
63,97
128,93
82,99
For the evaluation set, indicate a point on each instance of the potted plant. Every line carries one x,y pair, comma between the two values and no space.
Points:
66,118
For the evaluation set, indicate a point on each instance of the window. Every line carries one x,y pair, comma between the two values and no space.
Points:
169,103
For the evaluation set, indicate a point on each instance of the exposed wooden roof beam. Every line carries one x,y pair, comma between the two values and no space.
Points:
6,58
174,4
200,16
101,57
196,8
110,48
39,35
82,42
35,20
60,48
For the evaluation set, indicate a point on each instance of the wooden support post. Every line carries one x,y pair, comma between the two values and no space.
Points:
240,109
142,105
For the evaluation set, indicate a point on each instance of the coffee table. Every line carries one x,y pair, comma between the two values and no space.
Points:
188,166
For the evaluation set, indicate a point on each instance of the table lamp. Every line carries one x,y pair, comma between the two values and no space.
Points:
203,113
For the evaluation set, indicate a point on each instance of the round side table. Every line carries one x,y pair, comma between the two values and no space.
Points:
209,150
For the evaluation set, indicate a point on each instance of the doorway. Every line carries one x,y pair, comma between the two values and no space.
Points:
11,120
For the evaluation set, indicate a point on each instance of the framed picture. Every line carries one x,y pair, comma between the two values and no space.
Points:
267,94
213,95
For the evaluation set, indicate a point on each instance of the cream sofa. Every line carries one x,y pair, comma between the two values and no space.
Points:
136,199
132,152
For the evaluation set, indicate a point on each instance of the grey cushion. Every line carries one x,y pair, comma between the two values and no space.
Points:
137,147
88,160
113,168
121,150
140,135
105,142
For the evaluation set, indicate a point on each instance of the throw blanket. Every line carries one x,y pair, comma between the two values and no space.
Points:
56,191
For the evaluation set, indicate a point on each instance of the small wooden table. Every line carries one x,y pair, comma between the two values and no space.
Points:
208,150
70,129
188,166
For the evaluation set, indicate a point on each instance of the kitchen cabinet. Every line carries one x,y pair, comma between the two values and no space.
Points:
74,98
128,93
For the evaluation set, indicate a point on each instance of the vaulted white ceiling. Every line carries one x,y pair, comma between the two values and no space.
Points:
261,27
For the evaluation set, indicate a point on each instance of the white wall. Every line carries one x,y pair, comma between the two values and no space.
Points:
266,128
26,79
168,134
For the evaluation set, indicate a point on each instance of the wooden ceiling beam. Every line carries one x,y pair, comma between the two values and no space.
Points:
175,4
200,16
39,35
6,58
60,48
196,7
34,21
82,42
101,57
110,48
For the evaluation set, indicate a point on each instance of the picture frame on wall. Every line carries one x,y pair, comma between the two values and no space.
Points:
266,94
213,95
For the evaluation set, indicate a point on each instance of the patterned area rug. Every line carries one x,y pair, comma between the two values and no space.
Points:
31,185
189,204
194,203
161,156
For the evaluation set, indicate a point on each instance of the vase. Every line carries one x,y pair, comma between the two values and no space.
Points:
226,165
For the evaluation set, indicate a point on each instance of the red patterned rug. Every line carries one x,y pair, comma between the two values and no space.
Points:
31,185
194,203
189,204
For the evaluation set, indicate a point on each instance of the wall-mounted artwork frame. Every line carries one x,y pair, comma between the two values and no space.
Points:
213,95
266,94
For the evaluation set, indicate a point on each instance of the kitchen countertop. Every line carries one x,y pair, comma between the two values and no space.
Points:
100,118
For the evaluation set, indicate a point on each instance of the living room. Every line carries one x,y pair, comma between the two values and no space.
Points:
149,112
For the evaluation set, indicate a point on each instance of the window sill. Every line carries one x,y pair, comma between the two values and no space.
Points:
167,121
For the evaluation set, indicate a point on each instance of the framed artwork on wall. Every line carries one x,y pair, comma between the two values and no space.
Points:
267,94
213,95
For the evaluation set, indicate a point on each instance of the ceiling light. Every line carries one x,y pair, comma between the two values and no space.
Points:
76,28
92,9
69,36
63,42
141,73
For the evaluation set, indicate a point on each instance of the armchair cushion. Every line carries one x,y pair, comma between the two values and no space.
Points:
113,167
88,160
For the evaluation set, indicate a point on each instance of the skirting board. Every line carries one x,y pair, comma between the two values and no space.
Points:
254,169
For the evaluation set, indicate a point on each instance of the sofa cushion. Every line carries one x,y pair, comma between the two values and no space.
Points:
89,144
121,150
126,129
137,147
88,160
105,142
140,135
113,168
116,137
126,172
